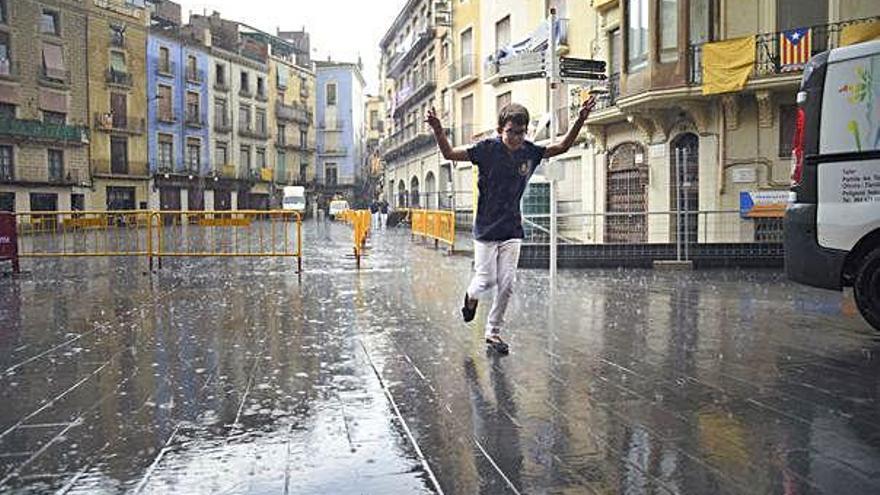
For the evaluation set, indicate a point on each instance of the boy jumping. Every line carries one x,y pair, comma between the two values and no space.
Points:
505,163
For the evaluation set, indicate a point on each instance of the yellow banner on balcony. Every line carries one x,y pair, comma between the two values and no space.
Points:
857,33
266,174
727,65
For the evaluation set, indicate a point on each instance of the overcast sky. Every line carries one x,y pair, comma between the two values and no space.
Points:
342,29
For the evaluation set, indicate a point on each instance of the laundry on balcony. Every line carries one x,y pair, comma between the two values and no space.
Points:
535,42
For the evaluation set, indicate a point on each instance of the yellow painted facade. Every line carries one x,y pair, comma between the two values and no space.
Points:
292,110
116,41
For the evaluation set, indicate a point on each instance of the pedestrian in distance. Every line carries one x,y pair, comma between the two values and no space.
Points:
505,163
374,214
383,213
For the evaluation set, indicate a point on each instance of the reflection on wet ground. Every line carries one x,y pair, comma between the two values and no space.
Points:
238,376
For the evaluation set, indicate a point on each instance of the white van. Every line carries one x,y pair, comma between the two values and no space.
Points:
337,206
294,198
832,226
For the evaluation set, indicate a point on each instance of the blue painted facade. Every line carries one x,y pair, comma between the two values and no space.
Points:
349,115
180,84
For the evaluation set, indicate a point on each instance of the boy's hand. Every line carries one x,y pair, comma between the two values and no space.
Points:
432,120
586,108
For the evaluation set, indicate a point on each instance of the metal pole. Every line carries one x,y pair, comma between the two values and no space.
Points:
553,77
678,204
685,184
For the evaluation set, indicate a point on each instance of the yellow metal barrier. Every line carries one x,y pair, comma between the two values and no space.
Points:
235,233
83,233
434,224
232,233
360,221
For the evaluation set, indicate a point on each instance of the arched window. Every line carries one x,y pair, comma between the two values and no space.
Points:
401,194
430,191
414,192
626,192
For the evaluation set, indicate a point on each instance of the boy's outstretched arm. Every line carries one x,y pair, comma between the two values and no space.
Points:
560,148
455,154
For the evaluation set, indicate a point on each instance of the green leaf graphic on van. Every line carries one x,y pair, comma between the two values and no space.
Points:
853,128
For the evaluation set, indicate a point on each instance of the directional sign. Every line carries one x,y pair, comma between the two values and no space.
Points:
582,64
581,69
524,65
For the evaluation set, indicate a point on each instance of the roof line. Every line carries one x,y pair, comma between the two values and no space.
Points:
397,21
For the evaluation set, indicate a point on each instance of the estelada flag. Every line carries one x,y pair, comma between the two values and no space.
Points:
795,46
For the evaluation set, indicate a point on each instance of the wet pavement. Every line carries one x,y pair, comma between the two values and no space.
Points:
238,376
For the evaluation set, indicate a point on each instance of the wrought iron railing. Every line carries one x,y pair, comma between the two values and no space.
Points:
118,78
37,129
463,68
293,113
768,60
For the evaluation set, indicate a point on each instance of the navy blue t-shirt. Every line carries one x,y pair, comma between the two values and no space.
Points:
503,178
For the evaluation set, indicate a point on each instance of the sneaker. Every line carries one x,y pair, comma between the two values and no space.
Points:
495,343
467,312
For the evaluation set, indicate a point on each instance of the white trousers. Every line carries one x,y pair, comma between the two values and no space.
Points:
495,265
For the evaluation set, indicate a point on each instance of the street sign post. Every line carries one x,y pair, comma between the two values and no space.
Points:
528,61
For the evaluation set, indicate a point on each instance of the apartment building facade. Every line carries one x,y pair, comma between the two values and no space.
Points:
44,130
180,131
661,145
340,116
294,132
665,141
117,97
241,87
414,66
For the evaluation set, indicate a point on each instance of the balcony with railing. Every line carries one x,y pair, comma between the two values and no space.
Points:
120,167
110,122
332,125
167,69
37,130
48,174
194,118
246,92
295,112
420,88
769,61
195,76
167,116
253,132
9,69
118,78
222,122
408,140
332,149
463,71
221,85
409,50
609,98
262,95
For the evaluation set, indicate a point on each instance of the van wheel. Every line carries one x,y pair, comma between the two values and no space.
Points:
867,288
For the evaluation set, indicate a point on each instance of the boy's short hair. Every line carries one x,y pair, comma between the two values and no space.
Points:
515,113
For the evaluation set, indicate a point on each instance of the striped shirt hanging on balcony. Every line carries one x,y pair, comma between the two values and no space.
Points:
795,46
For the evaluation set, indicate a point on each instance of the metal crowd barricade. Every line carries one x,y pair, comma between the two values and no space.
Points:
360,221
158,234
435,224
232,233
83,233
